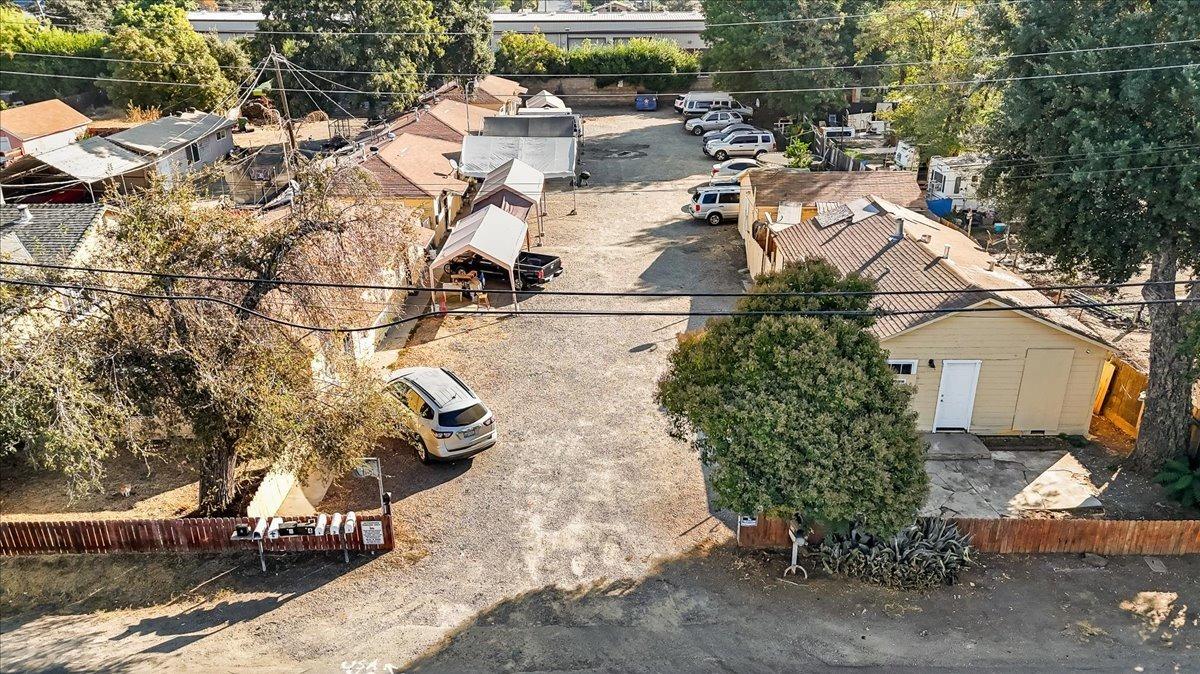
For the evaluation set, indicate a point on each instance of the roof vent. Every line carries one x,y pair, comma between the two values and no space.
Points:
899,234
24,216
991,265
946,252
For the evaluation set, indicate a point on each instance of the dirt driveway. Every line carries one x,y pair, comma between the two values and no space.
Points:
584,541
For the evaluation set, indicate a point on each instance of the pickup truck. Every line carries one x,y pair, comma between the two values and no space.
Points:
531,269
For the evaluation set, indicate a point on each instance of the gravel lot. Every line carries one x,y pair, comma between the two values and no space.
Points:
584,541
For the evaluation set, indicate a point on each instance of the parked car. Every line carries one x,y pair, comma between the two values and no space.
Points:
733,106
679,101
730,169
451,421
717,119
531,269
716,204
700,102
721,133
646,102
746,143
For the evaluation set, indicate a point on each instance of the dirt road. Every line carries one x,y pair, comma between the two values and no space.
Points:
584,540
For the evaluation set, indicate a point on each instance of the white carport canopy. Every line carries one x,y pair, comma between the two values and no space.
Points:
491,233
553,157
544,99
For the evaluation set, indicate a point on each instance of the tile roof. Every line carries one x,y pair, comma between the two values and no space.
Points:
54,231
423,162
868,244
167,133
774,186
500,87
41,119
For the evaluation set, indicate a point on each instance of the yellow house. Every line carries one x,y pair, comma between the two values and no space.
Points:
1008,366
416,171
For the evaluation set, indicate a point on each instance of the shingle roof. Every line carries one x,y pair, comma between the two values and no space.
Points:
774,186
500,87
424,162
425,124
168,133
41,119
867,244
54,231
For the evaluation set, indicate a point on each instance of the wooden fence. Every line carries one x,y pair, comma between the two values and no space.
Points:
209,534
1102,537
1118,399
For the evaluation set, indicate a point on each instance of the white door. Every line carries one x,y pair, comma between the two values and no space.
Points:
956,395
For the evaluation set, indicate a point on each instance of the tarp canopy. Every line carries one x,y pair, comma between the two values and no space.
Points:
553,157
544,99
517,176
557,126
490,233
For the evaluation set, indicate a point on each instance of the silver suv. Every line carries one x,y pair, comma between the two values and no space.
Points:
743,143
711,121
733,106
452,422
716,204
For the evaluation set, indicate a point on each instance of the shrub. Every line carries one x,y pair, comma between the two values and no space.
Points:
1181,478
639,55
798,153
926,554
20,33
529,55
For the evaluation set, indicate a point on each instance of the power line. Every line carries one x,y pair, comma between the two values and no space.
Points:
848,66
876,313
588,293
910,85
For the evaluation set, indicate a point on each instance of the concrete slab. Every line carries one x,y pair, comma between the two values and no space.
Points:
1007,484
952,446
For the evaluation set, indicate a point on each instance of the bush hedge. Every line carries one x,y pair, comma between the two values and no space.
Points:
535,55
20,33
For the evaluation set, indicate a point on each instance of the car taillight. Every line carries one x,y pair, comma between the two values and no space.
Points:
441,436
490,421
696,207
714,172
541,273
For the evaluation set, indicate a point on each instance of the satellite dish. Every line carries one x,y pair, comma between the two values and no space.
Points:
453,165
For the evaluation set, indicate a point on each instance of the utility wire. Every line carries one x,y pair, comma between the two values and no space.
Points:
911,85
591,293
701,73
877,313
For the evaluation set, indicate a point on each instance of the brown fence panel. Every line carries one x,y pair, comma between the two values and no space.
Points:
178,535
1103,537
771,533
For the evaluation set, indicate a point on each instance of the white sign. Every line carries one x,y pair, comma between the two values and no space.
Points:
372,532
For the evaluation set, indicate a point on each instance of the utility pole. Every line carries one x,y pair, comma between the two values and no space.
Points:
287,113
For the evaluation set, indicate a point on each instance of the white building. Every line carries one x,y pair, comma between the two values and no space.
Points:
180,143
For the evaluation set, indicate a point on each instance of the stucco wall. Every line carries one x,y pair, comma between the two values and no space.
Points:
1000,340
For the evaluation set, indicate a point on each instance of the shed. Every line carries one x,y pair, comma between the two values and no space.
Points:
39,127
515,187
71,173
490,233
545,99
553,157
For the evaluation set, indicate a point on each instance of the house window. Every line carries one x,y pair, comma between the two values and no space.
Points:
958,185
221,135
904,369
193,153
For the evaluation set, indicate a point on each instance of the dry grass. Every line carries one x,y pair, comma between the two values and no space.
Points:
149,113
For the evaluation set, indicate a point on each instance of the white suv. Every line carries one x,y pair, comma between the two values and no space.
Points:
452,421
715,204
746,143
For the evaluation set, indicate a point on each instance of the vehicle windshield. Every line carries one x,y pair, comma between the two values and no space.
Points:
464,417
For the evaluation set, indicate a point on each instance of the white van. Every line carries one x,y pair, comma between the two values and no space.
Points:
700,102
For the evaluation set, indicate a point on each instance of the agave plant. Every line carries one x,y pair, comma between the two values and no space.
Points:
1181,478
927,553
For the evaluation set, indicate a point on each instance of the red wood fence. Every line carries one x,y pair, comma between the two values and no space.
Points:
208,534
1103,537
